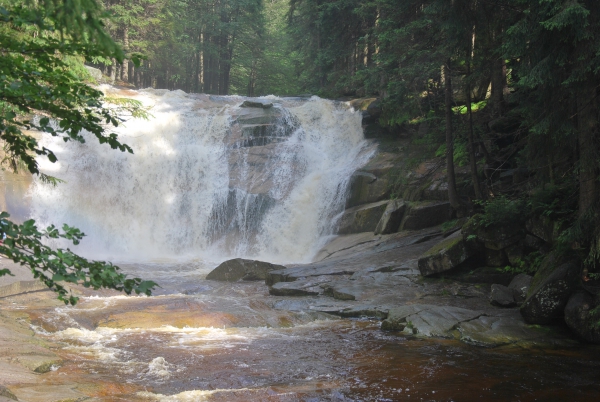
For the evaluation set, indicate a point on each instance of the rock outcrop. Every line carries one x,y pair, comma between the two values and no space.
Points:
422,215
241,269
392,217
444,256
362,219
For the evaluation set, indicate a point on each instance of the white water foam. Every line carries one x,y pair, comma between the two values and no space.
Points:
191,191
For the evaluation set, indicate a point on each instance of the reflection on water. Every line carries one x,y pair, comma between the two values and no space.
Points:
227,342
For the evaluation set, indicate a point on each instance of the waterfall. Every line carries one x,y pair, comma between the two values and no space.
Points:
209,178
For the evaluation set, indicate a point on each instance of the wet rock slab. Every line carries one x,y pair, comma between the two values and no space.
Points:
428,320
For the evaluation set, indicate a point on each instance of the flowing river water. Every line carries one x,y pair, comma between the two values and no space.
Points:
209,181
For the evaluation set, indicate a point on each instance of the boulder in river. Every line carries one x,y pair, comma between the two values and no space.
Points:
550,290
579,317
239,268
256,104
444,255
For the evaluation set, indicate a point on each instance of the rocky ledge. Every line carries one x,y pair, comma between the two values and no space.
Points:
380,276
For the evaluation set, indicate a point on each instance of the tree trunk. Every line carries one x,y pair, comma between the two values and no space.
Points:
113,71
125,68
587,121
472,159
498,84
452,194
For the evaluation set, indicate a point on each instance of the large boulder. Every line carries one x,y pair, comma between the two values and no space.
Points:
579,317
550,290
520,285
239,268
513,294
422,215
362,219
444,255
391,218
502,296
95,73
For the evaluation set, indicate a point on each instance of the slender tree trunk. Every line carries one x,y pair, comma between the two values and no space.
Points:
113,71
498,87
472,159
588,132
125,68
452,194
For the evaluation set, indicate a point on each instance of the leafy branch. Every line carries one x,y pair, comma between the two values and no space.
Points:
24,245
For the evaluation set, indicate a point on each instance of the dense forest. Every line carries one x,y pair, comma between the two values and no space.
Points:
506,87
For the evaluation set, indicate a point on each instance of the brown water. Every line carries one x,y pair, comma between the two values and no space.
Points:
230,342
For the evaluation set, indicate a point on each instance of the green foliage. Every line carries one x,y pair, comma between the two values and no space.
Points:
449,225
24,245
552,201
461,155
501,210
42,89
526,265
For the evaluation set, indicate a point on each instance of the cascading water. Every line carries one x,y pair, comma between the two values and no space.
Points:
209,179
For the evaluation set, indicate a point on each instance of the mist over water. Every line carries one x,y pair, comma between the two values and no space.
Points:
208,179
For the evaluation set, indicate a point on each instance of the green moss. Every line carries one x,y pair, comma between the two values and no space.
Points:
447,244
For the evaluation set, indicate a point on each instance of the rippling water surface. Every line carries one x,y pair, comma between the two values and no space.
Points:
229,342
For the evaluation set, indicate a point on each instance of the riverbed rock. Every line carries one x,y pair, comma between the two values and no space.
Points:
550,290
257,104
241,269
422,215
296,288
427,320
520,284
579,318
362,218
391,218
498,330
6,394
444,256
502,296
